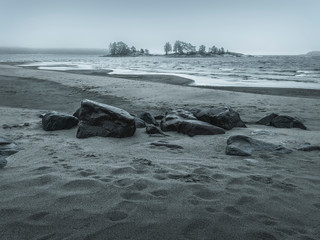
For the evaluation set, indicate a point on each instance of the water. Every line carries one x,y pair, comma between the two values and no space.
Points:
259,71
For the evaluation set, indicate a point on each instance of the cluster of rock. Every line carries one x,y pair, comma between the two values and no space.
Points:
97,119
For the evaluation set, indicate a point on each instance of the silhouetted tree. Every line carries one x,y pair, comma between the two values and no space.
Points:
133,49
119,49
146,51
202,50
167,48
183,48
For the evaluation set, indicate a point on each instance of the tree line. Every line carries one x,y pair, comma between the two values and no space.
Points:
183,48
122,49
179,48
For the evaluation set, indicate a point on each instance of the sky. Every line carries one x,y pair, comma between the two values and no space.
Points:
246,26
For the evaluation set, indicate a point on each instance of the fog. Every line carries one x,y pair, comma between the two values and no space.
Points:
247,26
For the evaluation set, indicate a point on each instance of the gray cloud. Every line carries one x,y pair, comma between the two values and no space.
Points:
256,27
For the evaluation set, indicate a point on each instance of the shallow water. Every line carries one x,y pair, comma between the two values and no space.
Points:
258,71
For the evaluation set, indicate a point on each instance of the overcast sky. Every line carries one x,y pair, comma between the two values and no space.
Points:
247,26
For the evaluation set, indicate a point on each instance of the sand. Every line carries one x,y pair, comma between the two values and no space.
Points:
61,187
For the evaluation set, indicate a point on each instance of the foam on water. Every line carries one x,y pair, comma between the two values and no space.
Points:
263,71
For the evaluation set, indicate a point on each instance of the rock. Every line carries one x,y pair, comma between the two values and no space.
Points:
166,144
281,121
267,120
287,122
148,118
159,117
185,122
195,127
223,117
8,146
53,121
76,113
151,129
139,123
307,147
240,145
3,162
103,120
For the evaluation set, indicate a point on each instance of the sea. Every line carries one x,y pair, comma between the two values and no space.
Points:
246,71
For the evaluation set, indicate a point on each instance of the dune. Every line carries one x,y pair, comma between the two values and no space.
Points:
62,187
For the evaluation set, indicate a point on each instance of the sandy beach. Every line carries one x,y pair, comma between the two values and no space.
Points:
62,187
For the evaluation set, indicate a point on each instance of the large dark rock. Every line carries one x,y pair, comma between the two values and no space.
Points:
53,121
103,120
148,118
281,121
185,122
240,145
223,117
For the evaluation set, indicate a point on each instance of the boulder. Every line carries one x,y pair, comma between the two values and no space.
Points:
185,122
53,121
281,121
223,117
139,123
8,146
241,145
148,118
287,122
97,119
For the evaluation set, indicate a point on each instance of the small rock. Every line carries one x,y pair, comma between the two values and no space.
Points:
241,145
8,146
151,129
3,162
267,120
139,123
148,118
223,117
281,121
287,122
159,117
307,147
166,144
53,121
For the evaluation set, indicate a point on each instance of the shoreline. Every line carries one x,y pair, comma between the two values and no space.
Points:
181,81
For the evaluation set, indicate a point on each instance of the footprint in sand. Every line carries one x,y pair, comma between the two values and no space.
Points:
87,172
38,216
232,211
116,215
160,193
